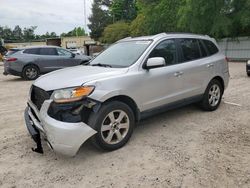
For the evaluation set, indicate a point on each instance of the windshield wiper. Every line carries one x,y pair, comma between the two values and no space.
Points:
102,65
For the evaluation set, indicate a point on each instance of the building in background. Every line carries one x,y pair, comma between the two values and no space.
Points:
84,43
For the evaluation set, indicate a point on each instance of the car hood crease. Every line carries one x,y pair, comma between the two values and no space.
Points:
75,76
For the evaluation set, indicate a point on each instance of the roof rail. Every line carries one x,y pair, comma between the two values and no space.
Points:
186,33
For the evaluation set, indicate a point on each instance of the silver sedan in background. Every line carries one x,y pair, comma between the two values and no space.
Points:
30,62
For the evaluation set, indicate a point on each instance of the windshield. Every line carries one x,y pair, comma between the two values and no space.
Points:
122,54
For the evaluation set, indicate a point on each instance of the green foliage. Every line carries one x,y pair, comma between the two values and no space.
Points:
115,32
22,35
156,17
99,19
77,31
123,10
28,34
217,18
138,26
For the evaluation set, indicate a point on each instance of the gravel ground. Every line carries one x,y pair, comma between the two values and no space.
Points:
181,148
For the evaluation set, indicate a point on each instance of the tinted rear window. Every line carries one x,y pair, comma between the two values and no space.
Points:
11,52
48,51
211,47
31,51
190,49
202,49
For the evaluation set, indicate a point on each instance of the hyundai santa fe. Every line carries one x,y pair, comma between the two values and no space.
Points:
133,79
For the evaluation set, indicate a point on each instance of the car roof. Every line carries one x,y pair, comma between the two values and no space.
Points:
166,35
30,47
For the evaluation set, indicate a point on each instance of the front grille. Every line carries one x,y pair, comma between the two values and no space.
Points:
38,96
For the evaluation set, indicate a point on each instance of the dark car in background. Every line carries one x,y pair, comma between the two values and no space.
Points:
30,62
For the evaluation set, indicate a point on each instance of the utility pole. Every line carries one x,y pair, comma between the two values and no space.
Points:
85,16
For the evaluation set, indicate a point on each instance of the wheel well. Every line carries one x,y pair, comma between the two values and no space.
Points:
130,102
220,80
32,65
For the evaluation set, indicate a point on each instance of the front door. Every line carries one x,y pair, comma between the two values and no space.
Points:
66,58
162,85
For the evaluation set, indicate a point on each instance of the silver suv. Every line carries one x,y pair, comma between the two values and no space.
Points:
131,80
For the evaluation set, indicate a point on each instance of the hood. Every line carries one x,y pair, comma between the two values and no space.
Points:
75,76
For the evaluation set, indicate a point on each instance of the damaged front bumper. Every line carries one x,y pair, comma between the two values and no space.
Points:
63,137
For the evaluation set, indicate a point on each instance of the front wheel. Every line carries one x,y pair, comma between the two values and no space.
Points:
114,124
212,96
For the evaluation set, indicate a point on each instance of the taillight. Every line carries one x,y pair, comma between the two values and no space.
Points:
11,59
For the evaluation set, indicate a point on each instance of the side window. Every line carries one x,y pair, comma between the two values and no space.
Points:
48,51
202,49
62,52
190,49
211,47
166,49
32,51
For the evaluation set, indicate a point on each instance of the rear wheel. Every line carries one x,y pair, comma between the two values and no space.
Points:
114,124
30,72
212,97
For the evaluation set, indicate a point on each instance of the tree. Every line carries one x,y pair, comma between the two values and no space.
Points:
155,17
138,26
115,32
29,33
228,18
7,33
77,31
123,10
99,19
17,33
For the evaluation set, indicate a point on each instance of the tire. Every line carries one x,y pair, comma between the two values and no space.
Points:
30,72
212,96
112,134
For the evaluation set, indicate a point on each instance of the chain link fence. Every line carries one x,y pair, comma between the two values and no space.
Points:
237,49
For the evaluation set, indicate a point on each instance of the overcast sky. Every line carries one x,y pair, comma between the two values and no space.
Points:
49,15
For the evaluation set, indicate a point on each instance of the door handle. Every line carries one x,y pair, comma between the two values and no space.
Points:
210,65
178,74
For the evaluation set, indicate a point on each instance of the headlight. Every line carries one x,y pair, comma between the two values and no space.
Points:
248,62
71,94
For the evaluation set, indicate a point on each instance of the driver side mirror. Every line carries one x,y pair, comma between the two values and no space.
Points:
155,62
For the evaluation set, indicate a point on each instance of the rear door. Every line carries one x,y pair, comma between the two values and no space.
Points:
196,68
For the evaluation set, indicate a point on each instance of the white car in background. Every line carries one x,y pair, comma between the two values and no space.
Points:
76,51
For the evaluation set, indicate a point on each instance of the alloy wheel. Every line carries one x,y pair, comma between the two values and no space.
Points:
31,72
214,95
115,127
